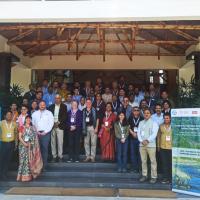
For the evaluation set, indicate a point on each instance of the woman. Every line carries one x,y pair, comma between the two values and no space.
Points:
34,107
22,116
106,134
74,125
82,105
121,134
30,161
164,141
76,96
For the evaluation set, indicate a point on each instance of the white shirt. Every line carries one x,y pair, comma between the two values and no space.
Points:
133,104
43,120
81,107
56,112
158,118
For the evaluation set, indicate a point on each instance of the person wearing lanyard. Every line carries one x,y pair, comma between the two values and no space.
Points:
164,144
90,130
106,134
22,116
74,127
121,133
59,111
115,104
8,138
134,121
147,132
126,108
43,120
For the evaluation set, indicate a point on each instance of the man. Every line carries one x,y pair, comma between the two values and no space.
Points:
55,86
126,108
138,97
45,84
43,120
87,89
134,121
14,111
8,138
30,95
164,97
130,89
147,132
68,102
59,111
90,129
107,96
38,97
49,98
121,95
158,116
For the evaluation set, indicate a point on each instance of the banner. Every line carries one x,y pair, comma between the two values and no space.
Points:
186,151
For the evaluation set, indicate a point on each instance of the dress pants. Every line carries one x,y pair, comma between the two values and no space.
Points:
135,153
122,151
151,152
74,144
44,141
166,158
90,142
6,152
57,142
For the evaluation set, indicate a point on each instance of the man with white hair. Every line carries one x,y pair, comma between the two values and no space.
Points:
43,120
59,111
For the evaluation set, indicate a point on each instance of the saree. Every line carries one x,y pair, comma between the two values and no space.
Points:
107,139
30,159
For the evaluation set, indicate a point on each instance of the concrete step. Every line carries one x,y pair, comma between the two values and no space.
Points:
79,182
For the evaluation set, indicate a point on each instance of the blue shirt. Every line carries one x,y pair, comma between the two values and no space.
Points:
158,119
49,99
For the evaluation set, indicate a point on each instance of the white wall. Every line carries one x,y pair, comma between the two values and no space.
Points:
187,71
99,10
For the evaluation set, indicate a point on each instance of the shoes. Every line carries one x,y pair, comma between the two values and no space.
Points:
54,160
86,160
92,160
153,180
165,181
143,179
124,170
119,170
70,160
60,160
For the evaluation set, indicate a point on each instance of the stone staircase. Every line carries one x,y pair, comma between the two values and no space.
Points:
84,175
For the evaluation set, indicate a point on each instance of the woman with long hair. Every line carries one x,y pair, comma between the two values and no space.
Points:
106,134
30,160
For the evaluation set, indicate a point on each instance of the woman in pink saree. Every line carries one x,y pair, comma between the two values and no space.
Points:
30,160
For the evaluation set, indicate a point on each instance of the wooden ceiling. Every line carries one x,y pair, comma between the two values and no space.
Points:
169,38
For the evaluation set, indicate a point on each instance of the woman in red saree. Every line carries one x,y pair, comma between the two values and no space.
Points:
107,136
30,160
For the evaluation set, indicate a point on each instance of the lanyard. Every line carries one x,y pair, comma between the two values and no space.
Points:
7,125
114,106
167,129
88,113
98,105
73,114
28,130
107,116
136,122
122,128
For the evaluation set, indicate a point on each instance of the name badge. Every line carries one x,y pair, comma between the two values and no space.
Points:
26,138
142,133
63,99
123,136
135,129
9,135
168,138
87,119
106,123
98,108
72,120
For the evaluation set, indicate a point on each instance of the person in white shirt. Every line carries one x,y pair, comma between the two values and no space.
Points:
147,132
43,121
107,96
158,116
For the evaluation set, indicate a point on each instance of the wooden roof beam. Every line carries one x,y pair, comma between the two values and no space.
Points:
20,36
184,35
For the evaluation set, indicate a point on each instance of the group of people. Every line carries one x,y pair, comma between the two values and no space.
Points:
128,123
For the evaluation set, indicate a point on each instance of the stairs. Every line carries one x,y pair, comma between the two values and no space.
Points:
84,175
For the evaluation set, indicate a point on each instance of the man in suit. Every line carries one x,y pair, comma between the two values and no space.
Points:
59,111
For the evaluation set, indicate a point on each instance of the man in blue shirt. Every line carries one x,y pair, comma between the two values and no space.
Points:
49,98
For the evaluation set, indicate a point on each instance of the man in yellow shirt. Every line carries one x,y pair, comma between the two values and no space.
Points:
8,138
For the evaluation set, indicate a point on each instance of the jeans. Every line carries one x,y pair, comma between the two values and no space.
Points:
122,150
166,158
44,141
74,144
135,153
6,152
